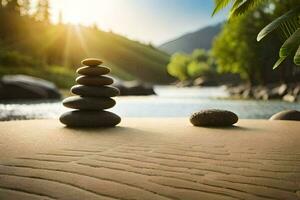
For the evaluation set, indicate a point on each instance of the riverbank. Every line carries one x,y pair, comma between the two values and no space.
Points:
169,102
285,92
158,158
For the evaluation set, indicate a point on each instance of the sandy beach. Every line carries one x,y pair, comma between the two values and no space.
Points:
150,158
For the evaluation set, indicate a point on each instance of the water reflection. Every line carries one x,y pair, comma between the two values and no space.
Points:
170,102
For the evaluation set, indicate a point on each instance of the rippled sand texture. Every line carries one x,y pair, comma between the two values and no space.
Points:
150,159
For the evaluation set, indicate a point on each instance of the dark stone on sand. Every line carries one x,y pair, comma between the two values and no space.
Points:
94,80
89,103
213,117
93,71
92,62
92,91
293,115
90,119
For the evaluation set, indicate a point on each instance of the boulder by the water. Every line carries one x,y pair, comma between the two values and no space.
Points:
293,115
213,118
287,92
18,87
134,88
203,81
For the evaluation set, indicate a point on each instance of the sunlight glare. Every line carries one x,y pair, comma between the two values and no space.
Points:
84,12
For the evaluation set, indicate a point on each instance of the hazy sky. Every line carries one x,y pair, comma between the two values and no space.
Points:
153,21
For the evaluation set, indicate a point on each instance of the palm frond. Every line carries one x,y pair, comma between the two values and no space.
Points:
236,4
288,47
279,61
291,44
297,57
220,4
280,21
243,7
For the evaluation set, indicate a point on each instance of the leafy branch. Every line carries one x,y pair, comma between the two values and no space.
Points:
288,23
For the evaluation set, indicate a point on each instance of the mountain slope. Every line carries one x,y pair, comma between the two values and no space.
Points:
187,43
56,51
128,59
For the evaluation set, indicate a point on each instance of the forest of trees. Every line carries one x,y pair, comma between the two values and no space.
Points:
31,44
184,66
235,49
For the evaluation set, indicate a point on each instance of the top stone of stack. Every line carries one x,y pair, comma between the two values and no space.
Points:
92,68
91,62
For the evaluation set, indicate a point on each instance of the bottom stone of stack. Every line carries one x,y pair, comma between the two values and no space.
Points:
80,118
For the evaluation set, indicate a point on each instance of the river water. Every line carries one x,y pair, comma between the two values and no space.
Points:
170,102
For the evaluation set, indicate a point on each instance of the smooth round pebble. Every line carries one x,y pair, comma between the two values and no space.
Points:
94,80
92,62
293,115
213,117
89,103
93,71
92,91
89,119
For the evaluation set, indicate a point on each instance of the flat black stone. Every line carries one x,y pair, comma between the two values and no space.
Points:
93,91
93,71
90,119
94,80
89,103
213,117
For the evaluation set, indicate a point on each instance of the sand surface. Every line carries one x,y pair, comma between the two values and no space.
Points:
150,159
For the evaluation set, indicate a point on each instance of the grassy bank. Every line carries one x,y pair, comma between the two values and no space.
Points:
56,51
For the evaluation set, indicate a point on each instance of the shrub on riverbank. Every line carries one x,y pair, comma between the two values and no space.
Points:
189,67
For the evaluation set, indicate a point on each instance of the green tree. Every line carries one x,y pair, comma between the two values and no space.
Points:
178,66
183,66
42,11
196,69
25,7
13,6
288,23
200,55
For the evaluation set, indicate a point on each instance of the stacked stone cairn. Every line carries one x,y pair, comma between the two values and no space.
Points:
94,97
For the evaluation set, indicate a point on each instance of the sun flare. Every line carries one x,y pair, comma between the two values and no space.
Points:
84,12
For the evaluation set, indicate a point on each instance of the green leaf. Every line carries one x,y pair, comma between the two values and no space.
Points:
236,4
279,61
297,57
220,4
291,44
277,22
243,7
288,47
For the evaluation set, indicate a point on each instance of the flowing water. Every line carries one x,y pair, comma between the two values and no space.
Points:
170,102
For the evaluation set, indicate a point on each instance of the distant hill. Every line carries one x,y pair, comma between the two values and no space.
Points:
187,43
56,51
128,59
